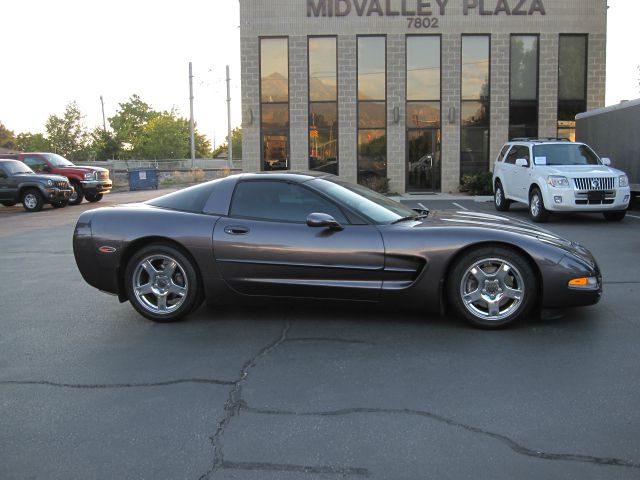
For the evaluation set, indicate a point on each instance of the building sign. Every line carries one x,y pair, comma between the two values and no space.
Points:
423,8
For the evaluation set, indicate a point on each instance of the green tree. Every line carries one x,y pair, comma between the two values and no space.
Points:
236,143
104,145
163,137
67,134
32,142
7,137
129,123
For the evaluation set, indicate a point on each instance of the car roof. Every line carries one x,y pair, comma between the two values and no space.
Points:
297,177
539,141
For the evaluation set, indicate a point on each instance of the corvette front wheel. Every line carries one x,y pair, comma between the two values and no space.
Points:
492,287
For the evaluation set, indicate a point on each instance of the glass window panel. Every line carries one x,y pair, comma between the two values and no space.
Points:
423,114
524,67
275,116
372,154
274,69
371,68
372,115
474,114
475,67
568,133
572,67
275,152
323,137
523,120
423,68
322,69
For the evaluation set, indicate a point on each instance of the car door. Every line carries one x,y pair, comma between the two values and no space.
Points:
515,175
7,186
508,170
522,175
264,246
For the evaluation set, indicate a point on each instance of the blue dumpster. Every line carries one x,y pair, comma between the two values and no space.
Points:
143,178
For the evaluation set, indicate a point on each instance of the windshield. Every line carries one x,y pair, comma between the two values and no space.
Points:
57,160
564,154
374,206
14,167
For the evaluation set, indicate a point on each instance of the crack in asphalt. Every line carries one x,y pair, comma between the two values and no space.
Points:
93,386
512,444
328,339
285,467
234,401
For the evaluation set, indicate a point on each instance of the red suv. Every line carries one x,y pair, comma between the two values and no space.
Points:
89,182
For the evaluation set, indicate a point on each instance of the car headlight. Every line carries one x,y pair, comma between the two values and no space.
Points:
88,176
49,183
558,181
624,181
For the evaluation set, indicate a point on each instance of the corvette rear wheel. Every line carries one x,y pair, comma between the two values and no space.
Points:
162,283
492,287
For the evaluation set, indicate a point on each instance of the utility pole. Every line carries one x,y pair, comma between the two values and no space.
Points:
191,127
229,143
104,122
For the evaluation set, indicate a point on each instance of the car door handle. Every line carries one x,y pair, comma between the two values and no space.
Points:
236,230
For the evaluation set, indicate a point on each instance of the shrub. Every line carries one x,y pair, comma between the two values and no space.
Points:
477,183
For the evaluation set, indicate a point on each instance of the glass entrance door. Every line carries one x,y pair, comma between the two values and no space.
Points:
423,161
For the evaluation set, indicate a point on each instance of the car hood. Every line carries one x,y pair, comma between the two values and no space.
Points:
582,170
76,169
39,177
467,219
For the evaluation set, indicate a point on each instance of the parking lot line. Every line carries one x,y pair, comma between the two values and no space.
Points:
460,206
633,216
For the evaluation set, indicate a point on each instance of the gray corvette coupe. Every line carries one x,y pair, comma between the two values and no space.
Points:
260,236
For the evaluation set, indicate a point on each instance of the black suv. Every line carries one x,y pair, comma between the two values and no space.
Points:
18,183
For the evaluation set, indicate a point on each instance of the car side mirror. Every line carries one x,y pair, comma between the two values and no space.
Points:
323,220
606,161
522,162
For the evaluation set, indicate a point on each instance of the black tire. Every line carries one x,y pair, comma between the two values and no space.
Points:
513,293
94,198
32,200
537,210
183,277
8,204
61,204
78,195
499,200
615,216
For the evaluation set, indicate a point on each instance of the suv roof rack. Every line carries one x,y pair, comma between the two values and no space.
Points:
546,139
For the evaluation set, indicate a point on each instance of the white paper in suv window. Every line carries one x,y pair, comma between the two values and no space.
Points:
541,160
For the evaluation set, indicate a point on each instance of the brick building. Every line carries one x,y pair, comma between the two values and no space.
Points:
418,92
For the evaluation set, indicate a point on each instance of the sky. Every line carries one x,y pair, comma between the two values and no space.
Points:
64,50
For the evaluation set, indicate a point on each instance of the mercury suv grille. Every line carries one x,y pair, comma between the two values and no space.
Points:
603,183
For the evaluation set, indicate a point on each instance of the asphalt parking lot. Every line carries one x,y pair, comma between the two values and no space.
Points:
90,389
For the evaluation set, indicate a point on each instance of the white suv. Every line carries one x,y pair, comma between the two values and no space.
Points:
555,175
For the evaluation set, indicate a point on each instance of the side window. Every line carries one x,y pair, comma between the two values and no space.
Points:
523,152
36,163
3,174
503,152
279,202
513,155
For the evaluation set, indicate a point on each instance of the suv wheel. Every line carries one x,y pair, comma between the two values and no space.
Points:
537,210
8,204
614,216
60,204
94,198
32,200
500,201
78,195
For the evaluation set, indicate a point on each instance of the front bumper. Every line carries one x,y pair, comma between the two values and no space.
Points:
54,195
571,200
97,186
557,292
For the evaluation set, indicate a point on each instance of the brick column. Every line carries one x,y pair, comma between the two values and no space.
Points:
548,87
250,67
298,103
450,158
396,95
499,117
347,121
596,71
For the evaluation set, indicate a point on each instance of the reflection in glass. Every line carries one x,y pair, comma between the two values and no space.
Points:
275,152
423,115
275,116
323,137
523,119
475,67
423,68
371,68
524,67
474,114
274,69
372,155
572,83
371,115
322,69
423,164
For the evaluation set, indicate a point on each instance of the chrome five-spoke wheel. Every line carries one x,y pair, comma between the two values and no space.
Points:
162,283
492,287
